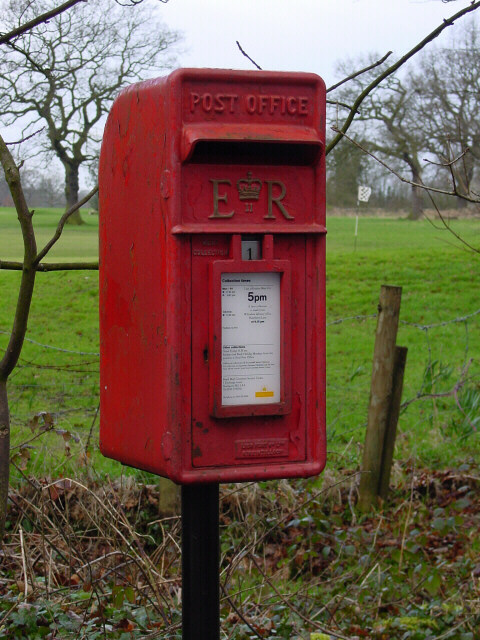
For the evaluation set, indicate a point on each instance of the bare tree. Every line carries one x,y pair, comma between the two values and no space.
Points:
446,88
356,105
430,113
387,121
64,74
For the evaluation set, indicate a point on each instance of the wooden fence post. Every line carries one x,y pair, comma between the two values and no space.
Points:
380,393
394,412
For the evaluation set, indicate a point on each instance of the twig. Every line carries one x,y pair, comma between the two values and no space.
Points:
452,476
375,566
44,17
50,572
444,394
44,267
359,73
448,632
24,563
7,613
87,446
88,564
137,555
314,496
35,437
247,56
407,522
350,501
240,614
449,228
420,185
57,550
44,546
62,223
337,103
294,609
149,570
32,135
448,163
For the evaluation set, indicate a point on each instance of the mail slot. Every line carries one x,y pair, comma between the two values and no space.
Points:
212,276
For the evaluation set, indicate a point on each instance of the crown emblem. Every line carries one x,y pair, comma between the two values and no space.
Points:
248,189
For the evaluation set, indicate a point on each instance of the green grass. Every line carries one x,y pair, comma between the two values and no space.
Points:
77,242
440,282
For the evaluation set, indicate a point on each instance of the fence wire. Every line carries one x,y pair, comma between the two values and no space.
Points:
65,382
422,327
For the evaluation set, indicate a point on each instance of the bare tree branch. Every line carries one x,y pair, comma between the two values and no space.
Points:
133,3
359,73
449,163
449,228
421,185
340,104
29,137
61,225
64,81
247,56
446,394
44,17
12,176
8,265
394,67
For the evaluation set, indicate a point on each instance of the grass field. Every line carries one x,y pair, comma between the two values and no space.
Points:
77,243
440,281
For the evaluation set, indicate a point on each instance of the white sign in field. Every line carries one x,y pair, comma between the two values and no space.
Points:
364,193
250,338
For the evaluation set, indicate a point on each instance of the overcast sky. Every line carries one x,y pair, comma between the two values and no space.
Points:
299,35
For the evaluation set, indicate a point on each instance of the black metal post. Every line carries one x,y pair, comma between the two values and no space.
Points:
200,563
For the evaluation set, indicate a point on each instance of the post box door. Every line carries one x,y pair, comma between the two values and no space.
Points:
266,429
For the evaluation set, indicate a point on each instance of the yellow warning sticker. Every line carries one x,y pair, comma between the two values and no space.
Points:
264,393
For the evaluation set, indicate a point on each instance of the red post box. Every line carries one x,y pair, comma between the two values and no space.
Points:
212,276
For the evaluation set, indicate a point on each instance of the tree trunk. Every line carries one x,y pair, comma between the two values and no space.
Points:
417,203
417,193
71,192
4,454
